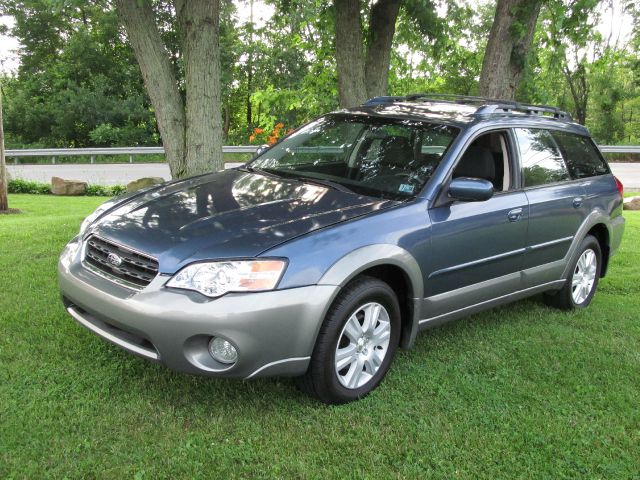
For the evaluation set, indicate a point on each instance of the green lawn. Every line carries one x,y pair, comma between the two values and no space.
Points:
522,391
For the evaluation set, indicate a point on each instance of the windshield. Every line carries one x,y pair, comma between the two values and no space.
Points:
371,156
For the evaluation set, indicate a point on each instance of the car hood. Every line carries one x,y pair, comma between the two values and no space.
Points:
231,214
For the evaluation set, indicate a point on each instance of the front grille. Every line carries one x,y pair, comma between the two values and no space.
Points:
120,263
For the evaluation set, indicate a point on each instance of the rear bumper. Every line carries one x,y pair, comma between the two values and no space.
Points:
274,332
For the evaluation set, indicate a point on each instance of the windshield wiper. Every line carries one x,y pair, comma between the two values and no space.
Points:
323,183
301,178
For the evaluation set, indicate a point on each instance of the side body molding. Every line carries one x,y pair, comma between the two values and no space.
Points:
361,259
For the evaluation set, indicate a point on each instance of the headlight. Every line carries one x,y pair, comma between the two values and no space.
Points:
217,278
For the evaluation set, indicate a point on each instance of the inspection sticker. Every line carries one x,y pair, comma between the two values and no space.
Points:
406,188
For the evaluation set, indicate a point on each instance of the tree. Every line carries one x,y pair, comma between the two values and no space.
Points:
439,50
508,47
78,83
191,130
363,59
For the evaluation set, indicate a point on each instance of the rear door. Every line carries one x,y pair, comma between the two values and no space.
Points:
556,205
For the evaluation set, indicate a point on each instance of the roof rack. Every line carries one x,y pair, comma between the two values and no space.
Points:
486,106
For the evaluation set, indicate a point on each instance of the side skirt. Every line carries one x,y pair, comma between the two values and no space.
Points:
494,302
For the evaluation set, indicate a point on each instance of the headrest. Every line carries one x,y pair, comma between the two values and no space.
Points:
396,150
477,162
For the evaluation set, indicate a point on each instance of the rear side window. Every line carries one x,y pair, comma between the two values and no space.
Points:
581,155
542,162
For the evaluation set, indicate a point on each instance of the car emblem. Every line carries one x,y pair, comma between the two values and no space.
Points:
114,260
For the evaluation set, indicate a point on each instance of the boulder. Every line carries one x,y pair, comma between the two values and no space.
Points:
60,186
632,204
143,183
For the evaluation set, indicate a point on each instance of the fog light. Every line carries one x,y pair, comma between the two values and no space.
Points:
222,351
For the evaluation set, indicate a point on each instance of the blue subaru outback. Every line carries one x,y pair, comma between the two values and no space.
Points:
337,245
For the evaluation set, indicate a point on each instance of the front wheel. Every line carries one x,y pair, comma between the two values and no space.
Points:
581,285
356,343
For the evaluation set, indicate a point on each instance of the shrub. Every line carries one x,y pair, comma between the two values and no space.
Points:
39,188
27,186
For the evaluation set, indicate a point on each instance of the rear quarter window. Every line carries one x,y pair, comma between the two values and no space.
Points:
542,162
581,155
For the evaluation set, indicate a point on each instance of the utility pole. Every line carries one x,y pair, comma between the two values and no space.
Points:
4,201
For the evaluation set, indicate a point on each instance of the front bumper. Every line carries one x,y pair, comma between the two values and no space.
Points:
274,332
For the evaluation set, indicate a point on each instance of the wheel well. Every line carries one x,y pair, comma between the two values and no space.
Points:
602,235
399,282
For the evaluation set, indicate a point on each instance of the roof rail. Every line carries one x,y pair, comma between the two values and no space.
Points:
451,98
486,106
382,100
509,107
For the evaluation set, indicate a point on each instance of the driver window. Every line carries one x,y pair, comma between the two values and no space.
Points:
487,158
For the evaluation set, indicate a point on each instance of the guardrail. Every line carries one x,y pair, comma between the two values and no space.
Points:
619,148
53,153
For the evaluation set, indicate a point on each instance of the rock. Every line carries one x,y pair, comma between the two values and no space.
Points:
60,186
632,204
143,183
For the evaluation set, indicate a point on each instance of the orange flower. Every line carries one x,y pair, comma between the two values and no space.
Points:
279,126
271,139
289,131
258,131
252,138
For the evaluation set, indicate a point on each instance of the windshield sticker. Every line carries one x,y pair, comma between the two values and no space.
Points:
406,188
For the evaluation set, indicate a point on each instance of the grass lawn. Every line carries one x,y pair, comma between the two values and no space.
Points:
522,391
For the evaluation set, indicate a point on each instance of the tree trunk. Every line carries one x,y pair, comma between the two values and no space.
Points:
382,27
363,69
159,79
579,89
350,57
508,47
4,201
201,20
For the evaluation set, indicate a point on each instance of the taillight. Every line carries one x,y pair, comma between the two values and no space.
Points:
619,185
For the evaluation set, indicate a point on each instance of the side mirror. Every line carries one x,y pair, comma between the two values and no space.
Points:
260,150
470,189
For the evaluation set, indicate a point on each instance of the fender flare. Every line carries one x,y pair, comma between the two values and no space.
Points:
361,259
594,218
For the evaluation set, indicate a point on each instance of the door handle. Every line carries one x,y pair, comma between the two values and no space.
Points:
577,202
515,214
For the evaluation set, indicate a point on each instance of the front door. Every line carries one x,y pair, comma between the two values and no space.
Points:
477,247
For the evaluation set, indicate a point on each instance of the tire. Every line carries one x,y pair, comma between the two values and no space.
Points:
366,355
581,285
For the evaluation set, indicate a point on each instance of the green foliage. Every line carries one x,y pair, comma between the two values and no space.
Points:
79,84
76,74
27,186
105,191
441,54
39,188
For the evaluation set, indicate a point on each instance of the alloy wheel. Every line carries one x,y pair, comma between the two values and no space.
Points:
584,276
362,345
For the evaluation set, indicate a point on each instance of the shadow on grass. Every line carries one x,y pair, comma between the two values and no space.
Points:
10,211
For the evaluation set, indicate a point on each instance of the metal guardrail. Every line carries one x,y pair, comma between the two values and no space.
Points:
53,153
620,148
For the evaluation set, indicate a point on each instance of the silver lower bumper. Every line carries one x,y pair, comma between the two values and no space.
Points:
274,332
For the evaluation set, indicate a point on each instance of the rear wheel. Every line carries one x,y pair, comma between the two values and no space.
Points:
356,343
581,285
